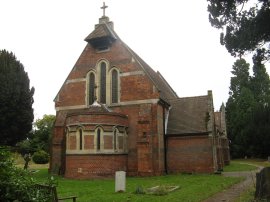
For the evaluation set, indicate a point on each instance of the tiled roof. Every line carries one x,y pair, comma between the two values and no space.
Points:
95,108
188,115
101,31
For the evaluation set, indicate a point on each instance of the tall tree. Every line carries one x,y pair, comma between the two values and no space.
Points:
42,133
260,82
245,23
241,77
248,110
239,107
16,99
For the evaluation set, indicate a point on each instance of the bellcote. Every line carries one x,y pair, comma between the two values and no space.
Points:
103,35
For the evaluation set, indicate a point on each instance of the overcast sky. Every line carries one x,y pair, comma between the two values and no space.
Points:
174,37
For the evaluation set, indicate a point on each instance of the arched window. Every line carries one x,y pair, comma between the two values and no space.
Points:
115,140
80,139
102,89
114,86
91,88
98,139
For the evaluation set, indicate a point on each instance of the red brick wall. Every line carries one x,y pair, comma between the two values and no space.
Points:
120,142
74,98
72,142
145,166
88,142
108,142
58,151
145,140
132,111
190,154
119,57
94,166
143,89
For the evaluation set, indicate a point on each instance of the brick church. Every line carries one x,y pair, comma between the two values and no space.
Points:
114,112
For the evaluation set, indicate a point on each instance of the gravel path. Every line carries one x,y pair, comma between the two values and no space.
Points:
231,194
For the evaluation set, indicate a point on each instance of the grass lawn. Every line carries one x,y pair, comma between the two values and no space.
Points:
192,187
239,166
257,162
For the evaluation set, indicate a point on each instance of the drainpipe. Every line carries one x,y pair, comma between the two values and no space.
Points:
165,142
165,123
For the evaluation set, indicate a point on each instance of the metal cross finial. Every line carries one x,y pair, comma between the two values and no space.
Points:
104,7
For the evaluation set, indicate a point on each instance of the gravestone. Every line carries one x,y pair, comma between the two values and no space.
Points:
120,181
269,158
263,184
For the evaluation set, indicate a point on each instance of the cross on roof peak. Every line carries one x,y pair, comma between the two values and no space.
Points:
104,7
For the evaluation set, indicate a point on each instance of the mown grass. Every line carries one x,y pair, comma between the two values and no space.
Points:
257,162
236,166
192,187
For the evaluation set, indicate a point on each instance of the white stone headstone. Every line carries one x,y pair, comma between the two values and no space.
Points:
120,181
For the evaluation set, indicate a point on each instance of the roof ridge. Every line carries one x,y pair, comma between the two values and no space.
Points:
179,98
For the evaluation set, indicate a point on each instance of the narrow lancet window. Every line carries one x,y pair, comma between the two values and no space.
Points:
98,139
114,139
103,83
80,137
91,88
114,86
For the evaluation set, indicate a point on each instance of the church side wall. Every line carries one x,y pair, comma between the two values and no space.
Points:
190,154
94,166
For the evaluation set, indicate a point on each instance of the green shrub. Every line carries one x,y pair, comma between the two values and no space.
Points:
15,184
41,157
